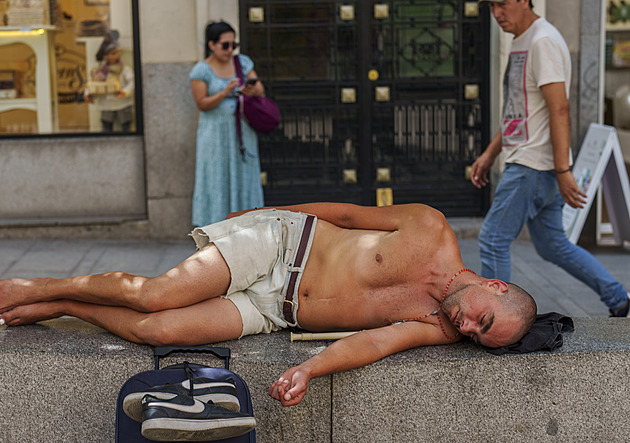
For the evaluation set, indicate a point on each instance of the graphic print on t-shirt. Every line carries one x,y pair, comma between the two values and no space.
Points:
514,124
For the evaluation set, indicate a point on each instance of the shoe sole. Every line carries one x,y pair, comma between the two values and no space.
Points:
132,404
173,429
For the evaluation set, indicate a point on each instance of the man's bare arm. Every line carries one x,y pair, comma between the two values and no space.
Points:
350,216
560,128
353,352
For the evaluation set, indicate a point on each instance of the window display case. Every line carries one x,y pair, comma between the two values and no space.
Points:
29,49
49,52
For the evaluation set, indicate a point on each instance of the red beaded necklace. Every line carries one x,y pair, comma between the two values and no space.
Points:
448,285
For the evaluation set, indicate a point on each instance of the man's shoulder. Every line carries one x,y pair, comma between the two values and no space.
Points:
427,226
428,217
543,31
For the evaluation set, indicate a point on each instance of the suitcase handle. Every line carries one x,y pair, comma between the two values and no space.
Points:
163,351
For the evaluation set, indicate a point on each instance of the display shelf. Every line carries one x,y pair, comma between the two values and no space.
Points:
40,40
8,104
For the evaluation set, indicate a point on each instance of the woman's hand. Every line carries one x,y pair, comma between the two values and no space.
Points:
255,89
249,90
229,89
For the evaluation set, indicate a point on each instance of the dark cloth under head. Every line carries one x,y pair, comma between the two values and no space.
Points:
545,335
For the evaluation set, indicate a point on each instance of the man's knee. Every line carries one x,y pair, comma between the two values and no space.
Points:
149,297
553,251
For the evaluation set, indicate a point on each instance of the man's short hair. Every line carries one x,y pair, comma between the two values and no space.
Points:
519,301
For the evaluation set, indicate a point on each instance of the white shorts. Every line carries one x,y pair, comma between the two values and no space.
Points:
259,247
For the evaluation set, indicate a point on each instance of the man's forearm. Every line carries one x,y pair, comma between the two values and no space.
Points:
495,146
560,129
349,353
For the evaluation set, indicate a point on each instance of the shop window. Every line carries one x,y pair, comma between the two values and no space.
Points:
69,66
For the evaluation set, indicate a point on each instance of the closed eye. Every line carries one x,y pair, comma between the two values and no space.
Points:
488,324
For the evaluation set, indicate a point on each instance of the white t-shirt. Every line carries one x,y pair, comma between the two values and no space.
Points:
538,57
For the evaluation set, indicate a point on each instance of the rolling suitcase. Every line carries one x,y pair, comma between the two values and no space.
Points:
128,430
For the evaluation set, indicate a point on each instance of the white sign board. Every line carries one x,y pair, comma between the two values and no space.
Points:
600,161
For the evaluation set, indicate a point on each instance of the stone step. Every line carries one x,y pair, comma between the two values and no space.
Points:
59,381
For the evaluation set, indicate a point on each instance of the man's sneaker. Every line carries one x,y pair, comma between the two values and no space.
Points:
185,418
222,393
623,311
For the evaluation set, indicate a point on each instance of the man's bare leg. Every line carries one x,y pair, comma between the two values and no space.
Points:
209,321
202,276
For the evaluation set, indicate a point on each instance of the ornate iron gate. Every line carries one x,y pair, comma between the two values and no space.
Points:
377,97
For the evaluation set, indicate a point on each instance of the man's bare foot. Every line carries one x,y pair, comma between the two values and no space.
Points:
17,291
29,314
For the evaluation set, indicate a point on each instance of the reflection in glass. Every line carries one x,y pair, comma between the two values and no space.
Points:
49,60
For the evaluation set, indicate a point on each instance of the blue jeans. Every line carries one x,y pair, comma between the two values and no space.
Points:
528,195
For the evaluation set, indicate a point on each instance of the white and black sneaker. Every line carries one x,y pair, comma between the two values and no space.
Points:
222,393
185,418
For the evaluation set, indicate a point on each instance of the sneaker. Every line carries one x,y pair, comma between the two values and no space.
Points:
186,418
623,311
222,393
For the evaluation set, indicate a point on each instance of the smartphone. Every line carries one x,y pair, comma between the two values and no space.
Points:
252,81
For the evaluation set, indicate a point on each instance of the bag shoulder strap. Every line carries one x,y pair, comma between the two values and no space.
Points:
239,70
239,105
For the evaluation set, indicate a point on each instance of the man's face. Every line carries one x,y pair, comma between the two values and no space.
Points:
511,15
477,312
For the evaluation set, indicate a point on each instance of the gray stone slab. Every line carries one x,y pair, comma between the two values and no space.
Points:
51,256
59,381
461,393
139,259
11,252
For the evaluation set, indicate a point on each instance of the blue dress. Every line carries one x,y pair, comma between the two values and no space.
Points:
225,179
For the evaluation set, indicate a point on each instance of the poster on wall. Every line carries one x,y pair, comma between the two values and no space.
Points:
600,162
620,49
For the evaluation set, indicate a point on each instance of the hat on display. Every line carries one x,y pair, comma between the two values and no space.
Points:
110,41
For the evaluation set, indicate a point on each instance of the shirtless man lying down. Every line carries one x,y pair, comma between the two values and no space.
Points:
395,273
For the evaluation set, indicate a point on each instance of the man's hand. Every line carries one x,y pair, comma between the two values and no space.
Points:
570,191
291,387
479,172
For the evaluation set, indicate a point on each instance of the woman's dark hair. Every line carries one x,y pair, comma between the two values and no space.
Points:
214,31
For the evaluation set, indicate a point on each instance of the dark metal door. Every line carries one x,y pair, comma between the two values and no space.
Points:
378,98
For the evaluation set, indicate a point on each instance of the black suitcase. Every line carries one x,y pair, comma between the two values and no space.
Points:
129,431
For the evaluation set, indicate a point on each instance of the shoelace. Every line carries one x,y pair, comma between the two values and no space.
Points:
190,374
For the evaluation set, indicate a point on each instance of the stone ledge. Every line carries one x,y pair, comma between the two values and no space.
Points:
59,381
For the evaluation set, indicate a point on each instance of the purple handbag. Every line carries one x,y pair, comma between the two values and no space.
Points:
261,113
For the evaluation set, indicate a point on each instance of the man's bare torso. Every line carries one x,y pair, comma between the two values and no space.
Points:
361,279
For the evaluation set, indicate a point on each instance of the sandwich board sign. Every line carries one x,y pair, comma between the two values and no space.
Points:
600,162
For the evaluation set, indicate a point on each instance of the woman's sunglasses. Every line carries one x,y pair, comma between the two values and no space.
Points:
226,45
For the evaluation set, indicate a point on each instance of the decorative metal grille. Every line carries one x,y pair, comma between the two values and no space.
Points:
373,94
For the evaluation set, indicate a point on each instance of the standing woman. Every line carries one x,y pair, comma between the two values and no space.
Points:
227,178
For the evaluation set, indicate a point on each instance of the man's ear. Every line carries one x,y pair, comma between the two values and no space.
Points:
499,286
